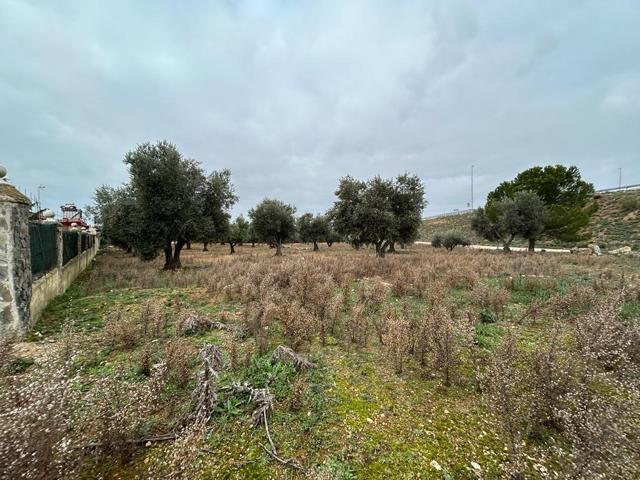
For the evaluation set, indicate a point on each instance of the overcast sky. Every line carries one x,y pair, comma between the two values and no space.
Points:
292,95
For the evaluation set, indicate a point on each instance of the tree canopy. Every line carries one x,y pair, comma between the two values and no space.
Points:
168,201
314,229
238,233
218,196
379,211
273,222
502,220
562,191
114,209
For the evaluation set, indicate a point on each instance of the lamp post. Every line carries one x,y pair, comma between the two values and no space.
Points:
40,187
471,187
620,177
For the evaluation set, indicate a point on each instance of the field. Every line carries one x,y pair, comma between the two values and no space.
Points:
615,223
425,364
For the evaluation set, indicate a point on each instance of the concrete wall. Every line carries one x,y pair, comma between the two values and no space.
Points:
56,281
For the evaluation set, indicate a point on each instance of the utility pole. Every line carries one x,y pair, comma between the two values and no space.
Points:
471,187
620,177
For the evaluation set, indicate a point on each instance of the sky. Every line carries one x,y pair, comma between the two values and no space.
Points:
291,95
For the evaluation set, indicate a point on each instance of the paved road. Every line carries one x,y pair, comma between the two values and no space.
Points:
514,249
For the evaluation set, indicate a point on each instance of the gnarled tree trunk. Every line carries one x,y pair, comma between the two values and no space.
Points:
392,247
206,245
315,246
172,259
506,244
532,244
232,249
167,256
278,245
381,248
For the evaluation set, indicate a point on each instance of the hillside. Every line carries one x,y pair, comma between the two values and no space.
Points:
615,223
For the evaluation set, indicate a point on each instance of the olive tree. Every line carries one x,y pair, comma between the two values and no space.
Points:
238,233
313,229
218,196
332,236
167,187
115,210
168,201
379,211
562,191
504,219
273,221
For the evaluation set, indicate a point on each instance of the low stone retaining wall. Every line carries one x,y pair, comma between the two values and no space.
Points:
55,282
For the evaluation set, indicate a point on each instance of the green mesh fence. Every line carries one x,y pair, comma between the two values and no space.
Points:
69,246
86,241
44,246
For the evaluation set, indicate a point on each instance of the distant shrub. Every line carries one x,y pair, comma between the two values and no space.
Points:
451,240
436,241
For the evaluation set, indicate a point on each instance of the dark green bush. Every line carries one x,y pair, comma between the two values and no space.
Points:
451,240
487,316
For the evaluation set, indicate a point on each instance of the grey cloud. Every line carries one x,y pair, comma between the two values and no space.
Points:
293,95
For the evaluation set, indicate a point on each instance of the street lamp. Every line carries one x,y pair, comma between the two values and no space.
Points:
620,177
40,187
471,187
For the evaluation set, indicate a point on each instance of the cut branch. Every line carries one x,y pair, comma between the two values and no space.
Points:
287,355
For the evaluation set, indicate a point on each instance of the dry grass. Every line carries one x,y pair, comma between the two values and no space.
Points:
566,339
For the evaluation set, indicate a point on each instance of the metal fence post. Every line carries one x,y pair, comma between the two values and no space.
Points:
60,247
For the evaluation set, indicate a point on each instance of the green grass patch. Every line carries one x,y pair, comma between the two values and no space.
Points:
488,335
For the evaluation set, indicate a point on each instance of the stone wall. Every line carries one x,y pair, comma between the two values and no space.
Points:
21,299
15,260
